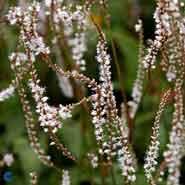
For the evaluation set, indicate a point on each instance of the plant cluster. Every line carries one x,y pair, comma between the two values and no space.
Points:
68,24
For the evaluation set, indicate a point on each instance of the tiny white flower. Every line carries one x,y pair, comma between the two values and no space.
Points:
8,159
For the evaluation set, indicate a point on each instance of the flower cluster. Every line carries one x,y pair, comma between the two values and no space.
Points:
78,47
36,45
7,93
108,119
27,19
174,153
78,43
107,100
160,35
137,90
14,15
8,159
48,3
171,53
19,72
48,116
104,106
64,112
65,178
93,159
19,58
19,63
74,24
126,161
113,135
153,150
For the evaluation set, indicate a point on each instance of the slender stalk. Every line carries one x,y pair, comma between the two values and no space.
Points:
116,62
